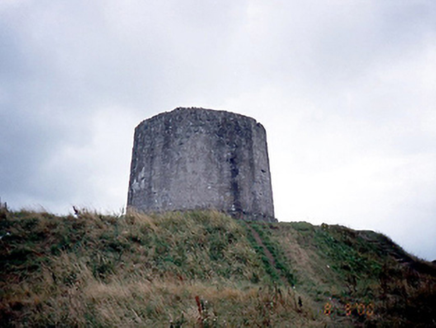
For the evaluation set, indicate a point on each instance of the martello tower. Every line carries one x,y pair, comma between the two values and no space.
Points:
194,158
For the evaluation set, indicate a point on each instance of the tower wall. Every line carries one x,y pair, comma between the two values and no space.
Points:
193,158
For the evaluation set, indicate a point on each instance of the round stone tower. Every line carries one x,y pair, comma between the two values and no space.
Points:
194,158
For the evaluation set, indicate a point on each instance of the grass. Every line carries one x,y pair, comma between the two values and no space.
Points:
347,269
201,269
282,266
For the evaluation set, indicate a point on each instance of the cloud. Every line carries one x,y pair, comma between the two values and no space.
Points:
344,89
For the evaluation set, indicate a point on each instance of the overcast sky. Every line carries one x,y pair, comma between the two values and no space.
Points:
345,89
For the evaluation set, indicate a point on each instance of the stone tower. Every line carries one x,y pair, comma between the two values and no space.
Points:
194,158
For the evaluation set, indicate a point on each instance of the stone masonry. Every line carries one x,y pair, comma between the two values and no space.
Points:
194,158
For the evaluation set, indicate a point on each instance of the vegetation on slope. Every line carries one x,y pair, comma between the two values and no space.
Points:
194,268
360,275
203,269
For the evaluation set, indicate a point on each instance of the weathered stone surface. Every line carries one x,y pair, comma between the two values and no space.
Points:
193,158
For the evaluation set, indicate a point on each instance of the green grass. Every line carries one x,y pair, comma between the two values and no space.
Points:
201,269
281,263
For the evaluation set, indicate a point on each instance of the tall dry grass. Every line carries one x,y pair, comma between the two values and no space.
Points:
135,270
196,269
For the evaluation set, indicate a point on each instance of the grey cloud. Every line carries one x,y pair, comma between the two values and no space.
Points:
342,88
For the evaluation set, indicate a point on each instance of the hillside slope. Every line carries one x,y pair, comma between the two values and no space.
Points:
204,269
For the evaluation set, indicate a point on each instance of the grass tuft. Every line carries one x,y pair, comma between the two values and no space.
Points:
202,269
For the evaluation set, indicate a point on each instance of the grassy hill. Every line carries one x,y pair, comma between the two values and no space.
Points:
204,269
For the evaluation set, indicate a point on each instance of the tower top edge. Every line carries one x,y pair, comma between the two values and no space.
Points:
195,110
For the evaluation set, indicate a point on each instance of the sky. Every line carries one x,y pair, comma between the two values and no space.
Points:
345,89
